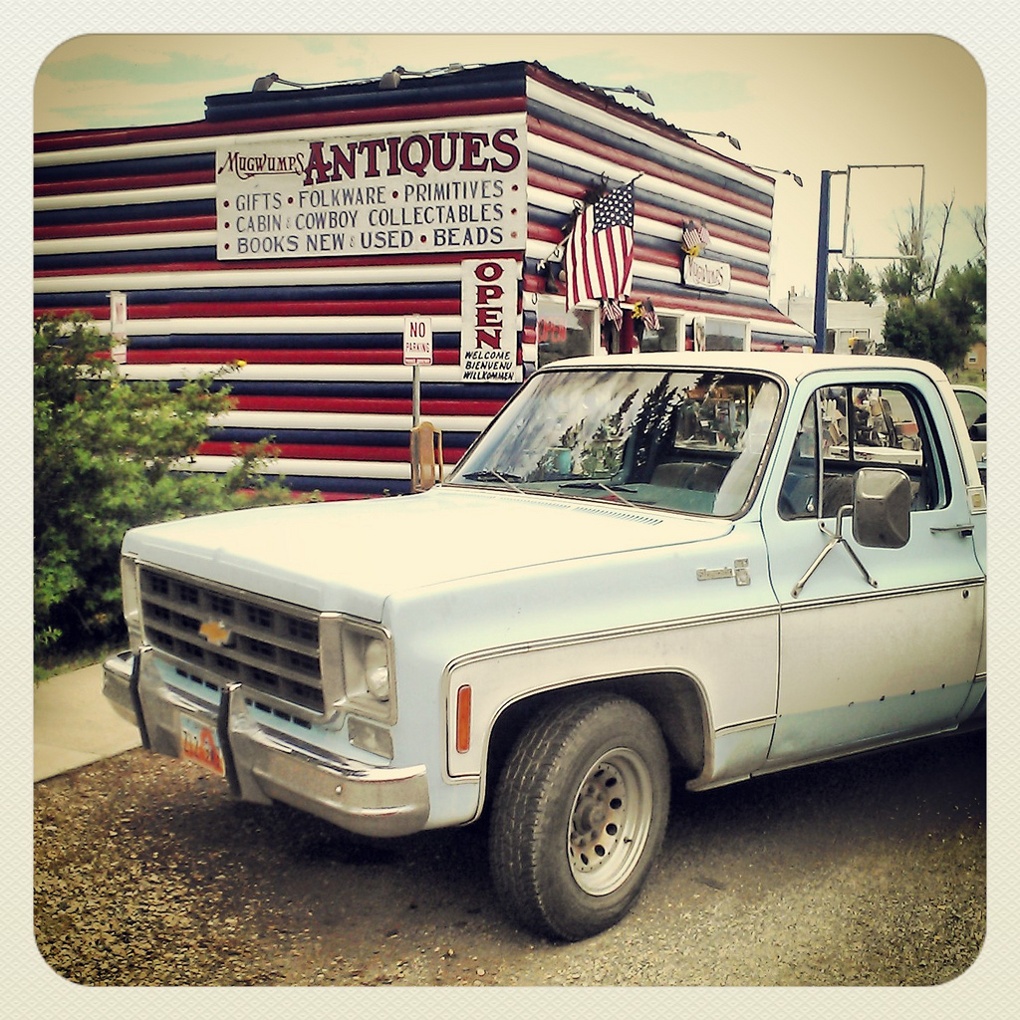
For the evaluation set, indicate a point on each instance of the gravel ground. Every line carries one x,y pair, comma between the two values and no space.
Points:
862,873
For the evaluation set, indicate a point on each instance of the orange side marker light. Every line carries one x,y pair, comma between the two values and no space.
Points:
463,743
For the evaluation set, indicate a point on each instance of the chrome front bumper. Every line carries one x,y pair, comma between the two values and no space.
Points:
263,765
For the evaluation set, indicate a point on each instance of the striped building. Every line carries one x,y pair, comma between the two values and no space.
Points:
294,230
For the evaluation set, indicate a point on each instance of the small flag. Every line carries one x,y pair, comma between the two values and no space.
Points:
649,314
609,309
694,239
600,252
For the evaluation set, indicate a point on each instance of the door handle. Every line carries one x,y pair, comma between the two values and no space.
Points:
963,530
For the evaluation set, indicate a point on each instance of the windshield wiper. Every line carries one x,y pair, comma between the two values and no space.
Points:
594,483
494,476
614,489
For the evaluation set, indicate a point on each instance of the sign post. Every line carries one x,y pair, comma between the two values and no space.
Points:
417,352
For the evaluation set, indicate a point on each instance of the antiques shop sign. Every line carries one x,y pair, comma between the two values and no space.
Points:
434,191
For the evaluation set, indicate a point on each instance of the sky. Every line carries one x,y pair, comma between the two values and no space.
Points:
804,103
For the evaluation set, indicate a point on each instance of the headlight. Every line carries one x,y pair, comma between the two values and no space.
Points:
368,669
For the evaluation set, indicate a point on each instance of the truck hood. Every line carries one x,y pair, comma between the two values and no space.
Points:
351,556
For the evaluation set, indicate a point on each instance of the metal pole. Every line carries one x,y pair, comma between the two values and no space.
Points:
822,265
415,395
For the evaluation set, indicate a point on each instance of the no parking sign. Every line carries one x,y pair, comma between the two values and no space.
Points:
417,340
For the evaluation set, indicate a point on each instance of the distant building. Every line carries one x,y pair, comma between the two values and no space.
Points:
856,327
851,326
977,358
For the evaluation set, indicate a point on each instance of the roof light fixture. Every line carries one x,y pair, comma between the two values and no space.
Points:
788,173
645,97
715,134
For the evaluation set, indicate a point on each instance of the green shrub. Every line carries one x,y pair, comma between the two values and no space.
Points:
106,459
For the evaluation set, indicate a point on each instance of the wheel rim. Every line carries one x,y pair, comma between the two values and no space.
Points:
610,821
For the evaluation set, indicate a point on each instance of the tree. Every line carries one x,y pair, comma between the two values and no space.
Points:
859,285
924,329
964,294
106,459
947,209
945,327
911,276
977,219
926,318
853,284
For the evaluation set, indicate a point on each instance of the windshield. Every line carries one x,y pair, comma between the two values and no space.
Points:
676,440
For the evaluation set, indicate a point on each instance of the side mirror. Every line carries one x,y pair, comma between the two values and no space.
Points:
882,499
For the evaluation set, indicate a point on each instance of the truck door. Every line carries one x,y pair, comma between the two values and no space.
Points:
875,644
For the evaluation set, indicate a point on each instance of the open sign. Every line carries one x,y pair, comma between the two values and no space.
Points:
490,320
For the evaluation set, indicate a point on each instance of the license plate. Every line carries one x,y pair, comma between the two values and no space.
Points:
199,743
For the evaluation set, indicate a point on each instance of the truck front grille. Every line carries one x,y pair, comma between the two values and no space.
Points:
219,635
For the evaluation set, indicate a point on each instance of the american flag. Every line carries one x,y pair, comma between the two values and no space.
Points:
610,309
649,314
600,252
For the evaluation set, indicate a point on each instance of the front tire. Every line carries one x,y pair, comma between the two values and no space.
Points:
579,816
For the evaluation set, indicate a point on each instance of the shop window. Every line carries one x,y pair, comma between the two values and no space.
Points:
668,337
562,334
721,335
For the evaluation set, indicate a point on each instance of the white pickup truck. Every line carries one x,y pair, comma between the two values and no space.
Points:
648,568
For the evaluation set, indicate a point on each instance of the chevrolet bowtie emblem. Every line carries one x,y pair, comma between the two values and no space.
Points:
216,632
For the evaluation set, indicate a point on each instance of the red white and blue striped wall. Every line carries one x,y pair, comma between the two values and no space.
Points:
134,210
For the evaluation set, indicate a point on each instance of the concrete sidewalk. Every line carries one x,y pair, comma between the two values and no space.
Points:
74,724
